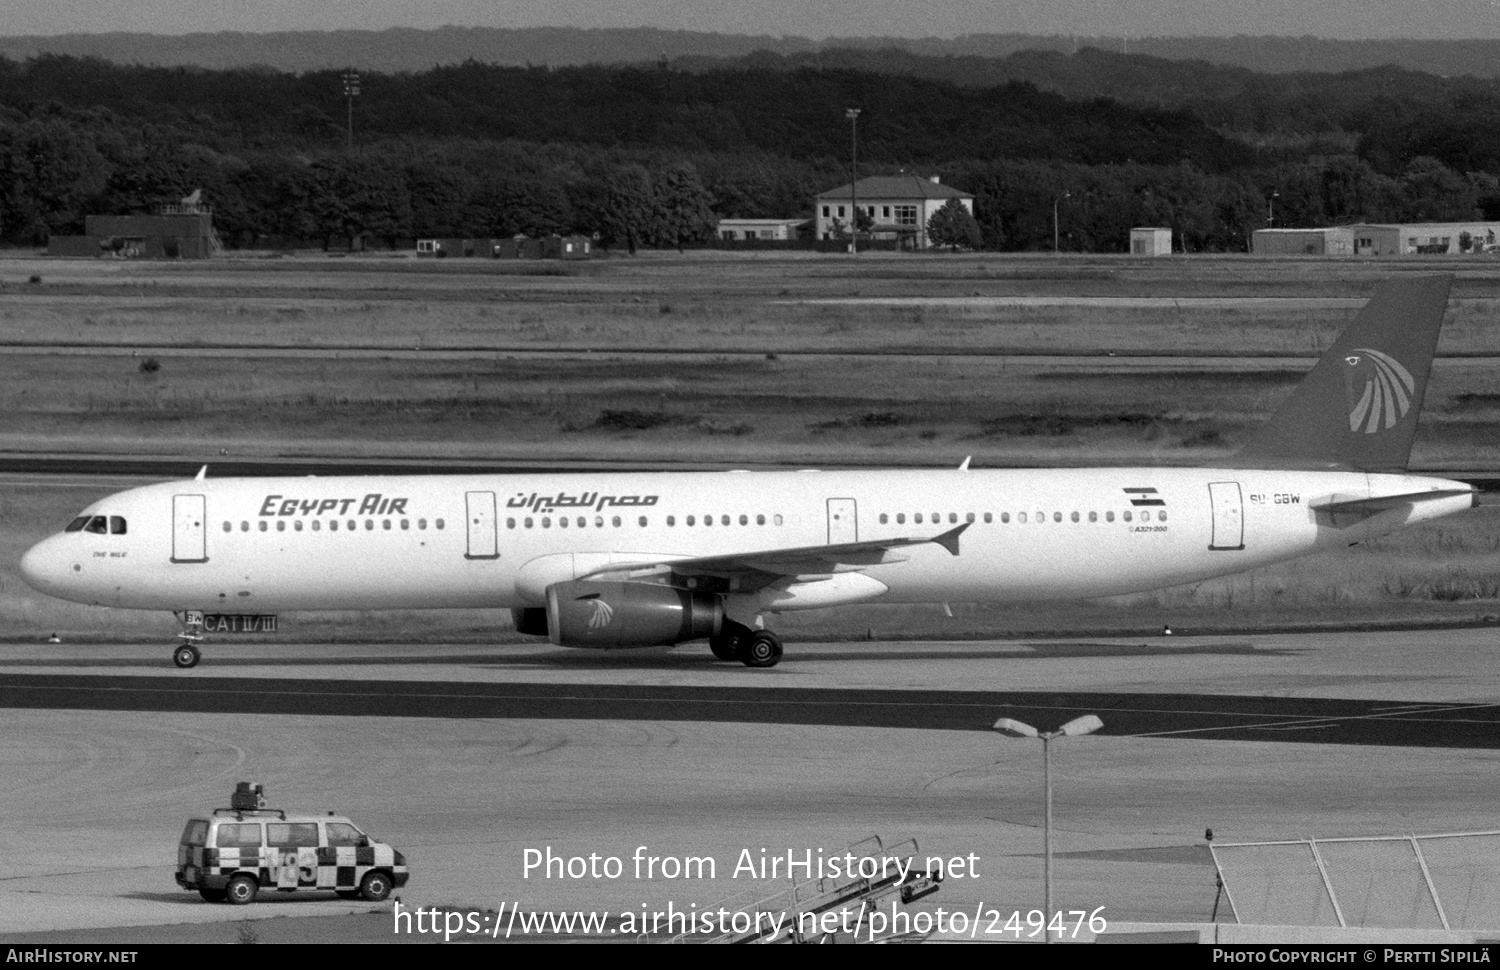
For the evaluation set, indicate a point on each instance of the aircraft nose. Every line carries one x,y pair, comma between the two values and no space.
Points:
45,566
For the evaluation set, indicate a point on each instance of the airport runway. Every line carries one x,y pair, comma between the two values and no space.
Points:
466,757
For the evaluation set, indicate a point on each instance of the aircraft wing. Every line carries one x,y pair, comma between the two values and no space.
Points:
755,569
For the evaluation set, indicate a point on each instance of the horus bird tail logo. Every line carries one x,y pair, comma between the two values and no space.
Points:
1387,394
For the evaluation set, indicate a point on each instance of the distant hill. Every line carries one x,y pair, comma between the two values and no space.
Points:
398,50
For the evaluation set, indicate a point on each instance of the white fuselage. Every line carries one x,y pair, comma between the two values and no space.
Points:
443,541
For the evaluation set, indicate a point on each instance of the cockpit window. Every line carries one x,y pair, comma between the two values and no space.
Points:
77,524
98,525
117,525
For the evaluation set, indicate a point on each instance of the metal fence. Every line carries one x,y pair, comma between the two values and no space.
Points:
1449,881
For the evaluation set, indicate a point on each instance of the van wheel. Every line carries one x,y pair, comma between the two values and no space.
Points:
212,895
375,887
241,890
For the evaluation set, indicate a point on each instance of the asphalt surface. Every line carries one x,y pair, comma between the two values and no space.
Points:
1301,720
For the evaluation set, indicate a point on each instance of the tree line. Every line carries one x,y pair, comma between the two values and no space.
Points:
651,157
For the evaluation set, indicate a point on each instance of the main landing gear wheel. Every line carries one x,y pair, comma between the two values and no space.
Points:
186,656
763,650
729,643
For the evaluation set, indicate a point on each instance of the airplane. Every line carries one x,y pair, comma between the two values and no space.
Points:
619,560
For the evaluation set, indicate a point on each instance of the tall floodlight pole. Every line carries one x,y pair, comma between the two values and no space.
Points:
1087,724
1271,209
351,91
1055,201
853,115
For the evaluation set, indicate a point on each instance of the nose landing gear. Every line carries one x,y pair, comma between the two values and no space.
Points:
186,653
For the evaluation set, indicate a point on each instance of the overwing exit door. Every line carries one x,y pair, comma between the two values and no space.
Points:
843,521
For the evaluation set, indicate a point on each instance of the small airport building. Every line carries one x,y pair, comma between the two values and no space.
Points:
1381,239
898,206
184,231
778,230
1151,242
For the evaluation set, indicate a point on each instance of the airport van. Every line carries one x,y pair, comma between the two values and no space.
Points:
233,854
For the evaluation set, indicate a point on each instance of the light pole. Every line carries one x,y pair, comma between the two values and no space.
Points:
1055,201
853,115
1271,209
1087,724
351,91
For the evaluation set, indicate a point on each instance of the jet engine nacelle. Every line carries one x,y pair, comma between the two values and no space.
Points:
610,615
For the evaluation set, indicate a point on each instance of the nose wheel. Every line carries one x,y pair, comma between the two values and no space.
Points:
186,654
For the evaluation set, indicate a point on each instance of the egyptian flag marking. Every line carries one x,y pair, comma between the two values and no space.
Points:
1143,496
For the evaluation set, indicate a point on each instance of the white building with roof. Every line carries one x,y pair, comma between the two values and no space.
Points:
898,206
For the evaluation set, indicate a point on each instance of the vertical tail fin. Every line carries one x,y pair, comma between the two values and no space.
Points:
1358,407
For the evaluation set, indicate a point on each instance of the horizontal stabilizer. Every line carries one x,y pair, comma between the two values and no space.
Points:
1382,503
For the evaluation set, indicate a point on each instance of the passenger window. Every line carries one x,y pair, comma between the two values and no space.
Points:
386,525
116,525
261,525
1109,516
691,520
317,525
333,525
244,526
509,523
1041,517
1093,516
290,834
708,520
988,518
744,520
1161,516
1074,516
546,521
562,521
671,520
953,517
777,520
439,523
1005,518
917,518
900,518
422,524
643,521
77,524
598,521
1145,516
281,525
528,522
233,835
723,520
297,525
1127,516
969,517
1056,516
615,521
228,527
760,520
582,522
342,833
882,518
353,525
1021,517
